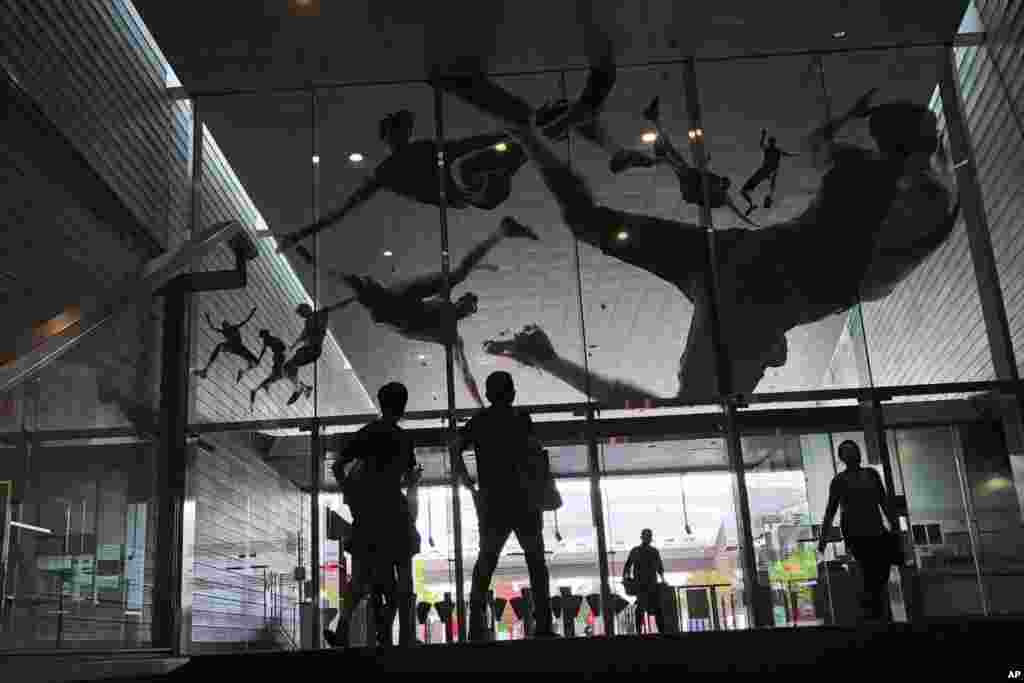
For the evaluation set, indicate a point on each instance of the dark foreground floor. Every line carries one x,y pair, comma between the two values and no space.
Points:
983,649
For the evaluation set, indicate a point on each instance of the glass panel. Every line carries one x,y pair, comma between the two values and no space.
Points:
986,76
386,252
81,554
680,489
250,576
767,282
523,271
643,296
239,184
570,547
921,317
943,549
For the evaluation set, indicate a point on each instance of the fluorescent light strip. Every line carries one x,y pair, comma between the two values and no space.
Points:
29,527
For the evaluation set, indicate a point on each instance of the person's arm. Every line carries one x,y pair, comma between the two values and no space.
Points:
339,305
661,567
363,193
459,445
262,351
787,154
885,502
542,355
821,143
830,513
764,134
248,318
626,568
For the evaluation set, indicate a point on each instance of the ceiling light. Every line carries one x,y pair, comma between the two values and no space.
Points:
622,236
696,133
316,159
839,35
501,147
355,157
649,137
387,252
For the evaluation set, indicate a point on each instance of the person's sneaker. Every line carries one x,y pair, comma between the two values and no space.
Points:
653,110
513,228
629,158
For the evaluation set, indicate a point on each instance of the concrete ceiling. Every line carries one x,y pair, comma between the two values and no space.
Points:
635,324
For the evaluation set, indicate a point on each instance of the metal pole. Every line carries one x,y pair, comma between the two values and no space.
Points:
316,443
724,374
979,240
972,517
449,367
597,513
978,235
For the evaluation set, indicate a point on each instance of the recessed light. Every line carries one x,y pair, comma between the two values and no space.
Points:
622,236
839,35
649,137
316,159
696,133
387,252
501,147
355,157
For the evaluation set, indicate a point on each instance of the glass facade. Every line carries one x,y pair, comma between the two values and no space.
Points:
700,291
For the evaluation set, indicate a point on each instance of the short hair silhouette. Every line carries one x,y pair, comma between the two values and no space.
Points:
393,397
849,452
501,390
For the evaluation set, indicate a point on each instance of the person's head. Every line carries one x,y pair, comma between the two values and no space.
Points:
224,325
393,397
264,334
500,389
466,305
849,453
304,310
646,536
771,142
396,128
901,129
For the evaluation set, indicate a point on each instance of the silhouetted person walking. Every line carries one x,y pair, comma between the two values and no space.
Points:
859,493
503,440
644,566
383,538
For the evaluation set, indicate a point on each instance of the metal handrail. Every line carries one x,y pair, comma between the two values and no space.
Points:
155,274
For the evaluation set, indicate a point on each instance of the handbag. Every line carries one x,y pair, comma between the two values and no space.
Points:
543,490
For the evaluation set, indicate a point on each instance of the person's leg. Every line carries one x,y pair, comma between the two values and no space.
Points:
459,350
405,603
654,601
243,352
530,533
304,356
493,533
213,356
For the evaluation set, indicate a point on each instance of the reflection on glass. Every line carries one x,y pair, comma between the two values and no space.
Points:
81,550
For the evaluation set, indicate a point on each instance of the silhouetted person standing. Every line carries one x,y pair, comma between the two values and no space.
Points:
859,493
502,437
644,566
382,544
